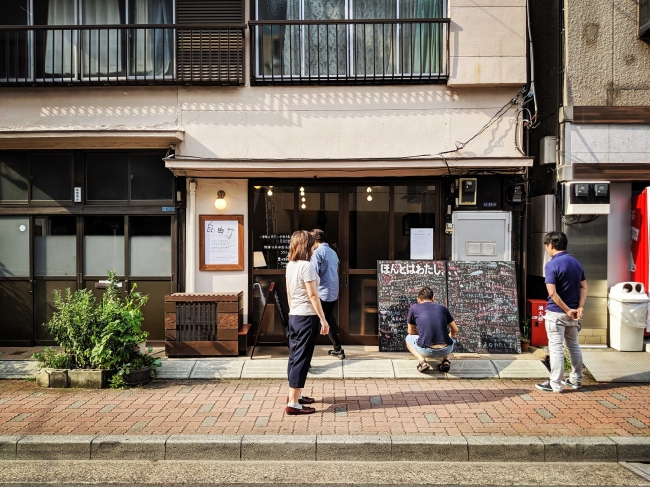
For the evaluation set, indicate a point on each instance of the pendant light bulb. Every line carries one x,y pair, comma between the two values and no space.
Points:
368,189
269,192
369,198
303,206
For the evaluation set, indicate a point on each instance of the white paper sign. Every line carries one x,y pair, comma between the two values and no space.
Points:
221,242
421,243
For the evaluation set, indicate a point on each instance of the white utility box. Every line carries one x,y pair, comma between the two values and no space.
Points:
628,309
481,235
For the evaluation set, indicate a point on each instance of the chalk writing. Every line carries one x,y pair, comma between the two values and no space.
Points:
483,302
398,284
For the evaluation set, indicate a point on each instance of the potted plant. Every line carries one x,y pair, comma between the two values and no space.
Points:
99,341
117,345
525,335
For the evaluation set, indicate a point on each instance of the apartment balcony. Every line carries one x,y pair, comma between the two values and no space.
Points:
142,54
350,51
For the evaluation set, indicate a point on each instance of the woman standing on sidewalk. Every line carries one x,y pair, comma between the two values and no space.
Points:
306,319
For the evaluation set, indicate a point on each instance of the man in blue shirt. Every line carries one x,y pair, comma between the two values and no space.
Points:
326,263
567,292
429,335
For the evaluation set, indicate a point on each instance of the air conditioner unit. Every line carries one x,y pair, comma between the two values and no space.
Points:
586,198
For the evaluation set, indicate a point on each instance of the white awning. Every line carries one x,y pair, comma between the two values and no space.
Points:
348,168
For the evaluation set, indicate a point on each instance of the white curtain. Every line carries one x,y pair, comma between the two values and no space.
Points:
152,52
59,48
374,43
102,48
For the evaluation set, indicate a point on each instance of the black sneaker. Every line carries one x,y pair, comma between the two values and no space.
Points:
568,383
545,386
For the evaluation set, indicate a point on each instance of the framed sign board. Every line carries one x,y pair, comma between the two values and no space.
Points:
221,242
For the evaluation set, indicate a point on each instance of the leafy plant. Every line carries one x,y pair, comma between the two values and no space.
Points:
117,342
525,330
117,382
50,358
74,324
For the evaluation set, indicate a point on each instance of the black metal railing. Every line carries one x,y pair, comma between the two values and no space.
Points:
122,54
350,51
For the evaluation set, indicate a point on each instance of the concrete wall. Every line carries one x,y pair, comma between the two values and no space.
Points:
605,62
487,42
615,143
281,122
237,204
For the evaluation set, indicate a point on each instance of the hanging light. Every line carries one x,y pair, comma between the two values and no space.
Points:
302,189
270,192
303,206
368,190
303,199
220,202
369,198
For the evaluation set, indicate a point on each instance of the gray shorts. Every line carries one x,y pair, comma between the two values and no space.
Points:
412,340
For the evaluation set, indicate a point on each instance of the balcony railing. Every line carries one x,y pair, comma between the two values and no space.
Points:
350,51
131,54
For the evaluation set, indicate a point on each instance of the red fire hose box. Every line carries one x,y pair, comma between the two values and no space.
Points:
535,309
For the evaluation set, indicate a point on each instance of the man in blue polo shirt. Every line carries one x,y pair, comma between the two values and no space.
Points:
326,263
567,292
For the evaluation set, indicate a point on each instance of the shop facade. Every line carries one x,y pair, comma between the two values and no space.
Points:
376,113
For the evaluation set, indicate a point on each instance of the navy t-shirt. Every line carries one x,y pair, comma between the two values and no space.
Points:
432,320
566,273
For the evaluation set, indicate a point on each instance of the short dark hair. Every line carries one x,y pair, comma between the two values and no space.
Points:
319,235
425,294
557,240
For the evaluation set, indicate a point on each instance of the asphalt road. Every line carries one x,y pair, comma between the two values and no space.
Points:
194,473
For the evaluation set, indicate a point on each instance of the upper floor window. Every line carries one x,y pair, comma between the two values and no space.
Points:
644,19
126,41
345,40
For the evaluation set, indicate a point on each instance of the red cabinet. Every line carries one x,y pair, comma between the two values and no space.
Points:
535,309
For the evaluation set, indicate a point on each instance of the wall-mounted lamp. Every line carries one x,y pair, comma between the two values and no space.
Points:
220,202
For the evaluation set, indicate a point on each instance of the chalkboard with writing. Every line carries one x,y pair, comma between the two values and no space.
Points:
398,284
483,302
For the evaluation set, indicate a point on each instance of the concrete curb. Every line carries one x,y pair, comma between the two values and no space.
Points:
326,448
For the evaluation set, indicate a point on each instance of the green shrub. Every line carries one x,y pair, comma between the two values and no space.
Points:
49,358
74,324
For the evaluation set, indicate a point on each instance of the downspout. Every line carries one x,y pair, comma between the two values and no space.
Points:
191,235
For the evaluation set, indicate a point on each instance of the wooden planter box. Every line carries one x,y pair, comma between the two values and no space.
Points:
203,324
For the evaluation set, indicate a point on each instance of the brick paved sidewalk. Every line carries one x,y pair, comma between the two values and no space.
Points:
368,406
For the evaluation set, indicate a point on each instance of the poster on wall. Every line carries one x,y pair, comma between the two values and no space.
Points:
422,243
221,242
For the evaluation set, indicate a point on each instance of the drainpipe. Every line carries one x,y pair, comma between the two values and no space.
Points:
191,236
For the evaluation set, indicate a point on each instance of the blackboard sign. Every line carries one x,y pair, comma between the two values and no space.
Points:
398,284
483,302
273,303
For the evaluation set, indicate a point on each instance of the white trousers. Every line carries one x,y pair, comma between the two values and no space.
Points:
561,330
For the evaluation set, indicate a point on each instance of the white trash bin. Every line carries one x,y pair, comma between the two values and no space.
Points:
628,309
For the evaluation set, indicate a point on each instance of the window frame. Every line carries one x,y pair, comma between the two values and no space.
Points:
644,29
350,33
30,202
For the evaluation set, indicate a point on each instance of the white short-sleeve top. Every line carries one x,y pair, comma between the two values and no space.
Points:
298,274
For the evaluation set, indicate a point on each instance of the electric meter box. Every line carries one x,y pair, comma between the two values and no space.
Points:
586,198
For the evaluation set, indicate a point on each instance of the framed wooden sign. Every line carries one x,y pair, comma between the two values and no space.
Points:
221,242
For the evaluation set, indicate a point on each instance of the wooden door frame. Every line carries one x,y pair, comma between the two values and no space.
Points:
345,186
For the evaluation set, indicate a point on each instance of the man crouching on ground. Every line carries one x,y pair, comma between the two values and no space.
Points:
429,336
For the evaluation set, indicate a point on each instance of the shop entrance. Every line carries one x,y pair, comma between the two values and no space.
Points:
364,222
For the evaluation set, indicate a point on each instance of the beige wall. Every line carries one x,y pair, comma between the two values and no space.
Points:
487,42
237,204
605,62
281,122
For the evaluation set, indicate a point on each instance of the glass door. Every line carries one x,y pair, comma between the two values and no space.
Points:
16,281
55,267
